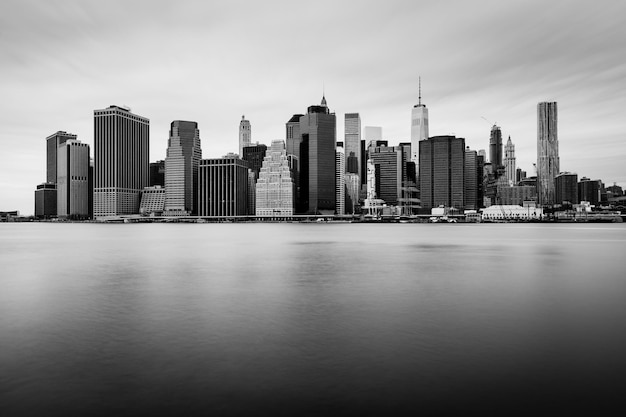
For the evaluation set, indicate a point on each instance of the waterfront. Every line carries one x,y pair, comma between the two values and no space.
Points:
300,319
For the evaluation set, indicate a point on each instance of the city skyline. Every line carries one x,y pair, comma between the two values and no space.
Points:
54,78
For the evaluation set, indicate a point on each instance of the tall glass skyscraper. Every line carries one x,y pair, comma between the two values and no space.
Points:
547,152
442,172
352,143
495,149
181,168
419,126
73,179
121,164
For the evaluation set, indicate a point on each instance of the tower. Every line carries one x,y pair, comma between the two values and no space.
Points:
73,179
495,150
340,182
245,134
419,125
275,187
52,145
441,172
121,165
509,162
223,186
352,143
547,152
181,168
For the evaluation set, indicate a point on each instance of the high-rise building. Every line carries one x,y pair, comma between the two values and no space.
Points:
547,152
566,188
509,162
157,174
387,162
340,181
181,168
589,190
52,145
419,126
73,179
312,142
442,172
353,187
352,143
254,155
245,134
46,200
275,188
472,178
495,150
223,186
121,164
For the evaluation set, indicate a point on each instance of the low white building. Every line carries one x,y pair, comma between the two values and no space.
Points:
152,201
512,212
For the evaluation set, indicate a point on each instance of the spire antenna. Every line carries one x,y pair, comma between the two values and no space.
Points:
420,91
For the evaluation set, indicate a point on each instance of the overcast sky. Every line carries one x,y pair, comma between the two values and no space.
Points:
212,62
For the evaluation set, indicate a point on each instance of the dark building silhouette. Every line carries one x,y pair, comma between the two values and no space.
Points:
442,172
181,168
254,155
157,173
473,176
311,142
589,190
387,161
495,150
52,145
566,185
46,200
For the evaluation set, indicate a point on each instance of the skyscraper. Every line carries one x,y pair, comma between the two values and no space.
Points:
387,161
245,134
352,143
340,181
566,188
509,162
275,189
547,152
73,179
419,126
121,152
223,186
52,144
472,178
254,155
181,168
442,172
311,144
157,173
495,149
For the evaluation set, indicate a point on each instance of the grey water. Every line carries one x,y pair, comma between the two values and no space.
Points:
311,319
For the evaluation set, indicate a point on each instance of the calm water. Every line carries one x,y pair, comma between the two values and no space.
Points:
311,319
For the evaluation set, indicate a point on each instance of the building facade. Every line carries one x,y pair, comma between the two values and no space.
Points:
52,145
566,188
157,173
495,150
442,172
245,134
419,126
152,201
352,143
223,186
275,188
547,152
472,178
254,155
46,200
181,168
340,181
121,164
73,180
589,190
387,162
510,170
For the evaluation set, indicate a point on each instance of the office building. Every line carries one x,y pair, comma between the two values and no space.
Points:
419,126
223,186
152,201
442,172
547,153
566,188
473,176
340,181
510,170
73,180
157,173
387,162
46,200
589,190
352,143
181,168
52,144
495,150
353,187
121,152
311,140
254,155
275,188
245,134
515,195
